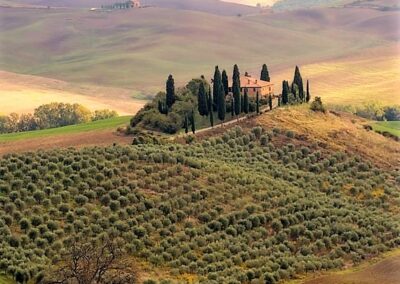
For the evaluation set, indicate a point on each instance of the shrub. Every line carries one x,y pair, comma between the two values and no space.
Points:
317,105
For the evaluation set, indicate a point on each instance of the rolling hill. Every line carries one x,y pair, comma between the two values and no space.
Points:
24,93
137,49
256,203
210,6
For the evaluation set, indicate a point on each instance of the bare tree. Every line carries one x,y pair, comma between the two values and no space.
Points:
93,262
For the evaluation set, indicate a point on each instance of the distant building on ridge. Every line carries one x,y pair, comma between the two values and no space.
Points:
253,85
135,3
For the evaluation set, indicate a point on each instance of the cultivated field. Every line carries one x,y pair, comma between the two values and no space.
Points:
137,49
24,93
386,271
370,75
101,132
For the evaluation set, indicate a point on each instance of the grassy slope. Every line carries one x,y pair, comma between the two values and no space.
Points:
343,133
392,127
105,124
137,49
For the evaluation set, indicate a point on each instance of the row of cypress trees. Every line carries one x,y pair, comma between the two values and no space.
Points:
215,101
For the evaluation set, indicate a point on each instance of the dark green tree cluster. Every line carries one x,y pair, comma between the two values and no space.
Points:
171,110
236,89
294,93
265,74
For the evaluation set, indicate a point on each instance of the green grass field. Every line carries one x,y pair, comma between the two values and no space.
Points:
105,124
392,127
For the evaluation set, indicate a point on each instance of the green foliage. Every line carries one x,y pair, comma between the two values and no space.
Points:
298,80
265,74
236,207
170,91
285,93
221,103
51,116
236,89
246,102
317,105
103,114
202,100
217,83
225,82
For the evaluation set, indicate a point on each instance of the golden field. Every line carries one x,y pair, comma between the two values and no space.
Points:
23,93
371,75
335,131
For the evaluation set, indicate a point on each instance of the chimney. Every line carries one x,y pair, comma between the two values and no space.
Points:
248,81
256,81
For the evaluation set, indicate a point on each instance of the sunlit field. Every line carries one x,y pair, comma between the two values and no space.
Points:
371,75
22,94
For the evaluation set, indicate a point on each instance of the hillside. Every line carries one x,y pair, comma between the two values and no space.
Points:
210,6
138,49
24,93
242,205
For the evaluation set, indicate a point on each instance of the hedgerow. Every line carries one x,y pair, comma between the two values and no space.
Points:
236,208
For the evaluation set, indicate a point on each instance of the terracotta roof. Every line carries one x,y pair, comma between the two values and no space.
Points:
250,82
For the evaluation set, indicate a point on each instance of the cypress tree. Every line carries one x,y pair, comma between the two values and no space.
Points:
193,123
298,80
246,102
217,87
225,82
265,74
257,103
221,103
270,102
160,107
186,124
210,105
202,100
236,89
232,107
308,96
285,93
170,87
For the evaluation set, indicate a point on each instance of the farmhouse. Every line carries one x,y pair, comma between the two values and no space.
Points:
134,3
253,85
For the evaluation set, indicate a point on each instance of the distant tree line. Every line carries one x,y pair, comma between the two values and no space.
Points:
175,109
50,116
372,110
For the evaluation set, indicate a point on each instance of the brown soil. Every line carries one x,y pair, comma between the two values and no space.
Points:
384,272
99,138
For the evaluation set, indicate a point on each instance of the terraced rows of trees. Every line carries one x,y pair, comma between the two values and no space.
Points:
248,206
